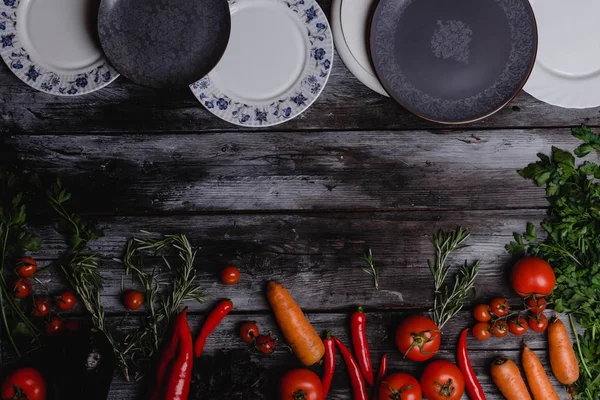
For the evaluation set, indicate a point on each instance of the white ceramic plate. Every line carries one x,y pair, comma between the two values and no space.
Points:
567,69
276,64
52,45
350,21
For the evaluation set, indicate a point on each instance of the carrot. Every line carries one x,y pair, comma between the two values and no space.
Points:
299,333
562,356
507,377
539,383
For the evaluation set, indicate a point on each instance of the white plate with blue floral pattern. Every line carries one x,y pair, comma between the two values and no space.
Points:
276,64
52,45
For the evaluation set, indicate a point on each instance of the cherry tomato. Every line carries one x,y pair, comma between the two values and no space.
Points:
133,299
532,276
418,338
73,326
482,331
482,313
500,307
517,326
230,275
24,383
66,301
499,329
265,344
300,384
538,323
41,307
400,386
54,326
26,267
536,305
22,288
249,332
442,380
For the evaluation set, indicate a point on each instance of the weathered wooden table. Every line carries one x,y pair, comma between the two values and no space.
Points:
296,203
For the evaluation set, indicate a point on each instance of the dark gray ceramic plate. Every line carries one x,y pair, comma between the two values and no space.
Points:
164,43
453,61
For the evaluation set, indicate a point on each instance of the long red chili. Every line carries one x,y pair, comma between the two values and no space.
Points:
358,323
358,384
380,375
329,364
212,321
472,384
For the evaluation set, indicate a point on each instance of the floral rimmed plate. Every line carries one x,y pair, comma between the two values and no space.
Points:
51,45
276,65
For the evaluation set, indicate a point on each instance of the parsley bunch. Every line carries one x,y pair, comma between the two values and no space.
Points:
571,244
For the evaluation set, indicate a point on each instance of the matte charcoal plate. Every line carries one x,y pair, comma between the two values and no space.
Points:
453,61
164,43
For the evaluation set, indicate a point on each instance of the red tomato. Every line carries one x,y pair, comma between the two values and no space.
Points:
517,326
300,384
500,329
249,332
230,275
22,288
532,276
133,299
41,307
73,326
54,326
265,344
536,305
418,338
482,313
400,386
442,380
538,323
482,331
26,267
24,383
500,307
66,301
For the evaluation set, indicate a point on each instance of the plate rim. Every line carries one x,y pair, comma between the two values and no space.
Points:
44,80
261,114
479,118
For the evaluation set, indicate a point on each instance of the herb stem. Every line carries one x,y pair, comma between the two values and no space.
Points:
583,363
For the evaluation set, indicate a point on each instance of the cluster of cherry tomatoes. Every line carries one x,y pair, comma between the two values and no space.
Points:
250,334
25,270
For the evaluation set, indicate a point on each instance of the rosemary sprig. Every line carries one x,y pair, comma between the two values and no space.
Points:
371,269
448,302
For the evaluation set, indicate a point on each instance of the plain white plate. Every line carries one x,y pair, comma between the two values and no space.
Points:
567,69
350,21
276,64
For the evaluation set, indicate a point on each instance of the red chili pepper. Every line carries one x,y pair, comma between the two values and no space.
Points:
380,375
358,384
472,385
329,365
212,321
358,322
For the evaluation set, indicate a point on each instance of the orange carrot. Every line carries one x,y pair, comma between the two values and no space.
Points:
562,356
299,333
507,377
539,383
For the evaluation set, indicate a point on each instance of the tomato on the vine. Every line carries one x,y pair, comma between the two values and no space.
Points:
517,326
24,383
532,276
500,329
249,332
41,307
538,323
400,386
418,338
133,299
54,326
301,384
482,331
230,275
22,288
26,267
500,307
265,344
66,300
536,305
442,380
482,313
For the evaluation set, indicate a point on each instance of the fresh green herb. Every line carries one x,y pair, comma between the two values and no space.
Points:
448,302
571,244
371,269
